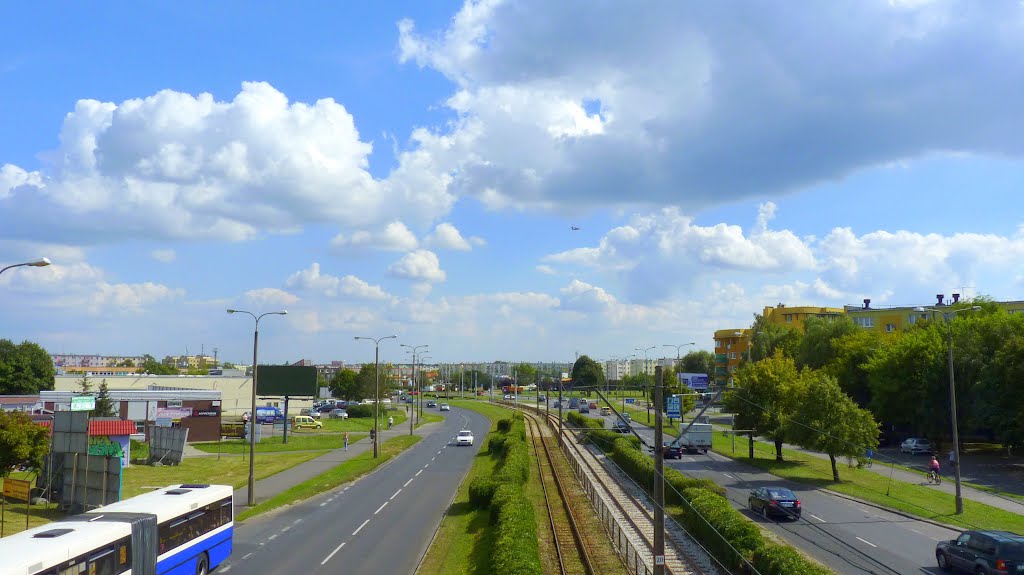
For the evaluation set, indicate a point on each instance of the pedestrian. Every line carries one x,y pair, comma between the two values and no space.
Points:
346,441
391,421
952,458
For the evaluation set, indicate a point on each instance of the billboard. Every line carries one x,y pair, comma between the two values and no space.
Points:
291,380
695,381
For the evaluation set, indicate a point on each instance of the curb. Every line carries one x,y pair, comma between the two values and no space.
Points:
894,511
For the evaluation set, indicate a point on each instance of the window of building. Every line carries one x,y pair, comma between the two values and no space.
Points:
890,327
732,355
718,343
864,321
789,317
728,346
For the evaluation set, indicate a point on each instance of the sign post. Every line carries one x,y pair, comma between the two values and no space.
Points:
83,403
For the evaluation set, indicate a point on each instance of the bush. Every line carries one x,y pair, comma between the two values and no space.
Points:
496,444
481,491
720,528
360,411
504,425
775,559
515,466
515,549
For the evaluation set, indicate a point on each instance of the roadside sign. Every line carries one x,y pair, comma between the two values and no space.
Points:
83,403
17,489
630,400
674,407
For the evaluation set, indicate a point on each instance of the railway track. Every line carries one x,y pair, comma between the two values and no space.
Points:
631,512
570,544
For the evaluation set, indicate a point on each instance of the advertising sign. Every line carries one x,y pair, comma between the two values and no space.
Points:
212,412
173,412
674,406
695,381
17,489
83,403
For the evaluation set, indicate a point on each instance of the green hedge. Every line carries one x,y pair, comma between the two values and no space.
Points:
504,425
359,411
775,559
709,515
515,550
481,491
496,445
515,465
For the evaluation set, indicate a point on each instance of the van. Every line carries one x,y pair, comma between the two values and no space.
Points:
268,415
574,403
305,421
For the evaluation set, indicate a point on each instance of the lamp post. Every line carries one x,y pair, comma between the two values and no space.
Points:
376,391
948,316
422,357
252,414
415,383
650,399
39,263
678,347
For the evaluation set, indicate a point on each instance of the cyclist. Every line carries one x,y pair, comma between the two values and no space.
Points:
933,468
870,455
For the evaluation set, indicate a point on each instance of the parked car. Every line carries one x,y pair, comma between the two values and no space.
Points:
986,552
338,414
542,398
556,404
774,501
465,437
915,446
584,408
268,415
305,422
620,425
445,407
326,408
431,403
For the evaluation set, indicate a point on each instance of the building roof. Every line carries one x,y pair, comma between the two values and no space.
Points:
104,426
19,399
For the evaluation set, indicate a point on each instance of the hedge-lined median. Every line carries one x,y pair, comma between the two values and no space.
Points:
706,513
515,543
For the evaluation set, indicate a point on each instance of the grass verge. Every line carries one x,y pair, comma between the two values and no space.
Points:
348,471
430,418
232,471
919,500
298,441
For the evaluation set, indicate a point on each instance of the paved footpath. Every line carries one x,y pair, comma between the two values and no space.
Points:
270,486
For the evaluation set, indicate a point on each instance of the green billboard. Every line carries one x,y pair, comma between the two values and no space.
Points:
290,380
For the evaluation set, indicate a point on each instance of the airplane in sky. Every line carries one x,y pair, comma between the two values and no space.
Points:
574,228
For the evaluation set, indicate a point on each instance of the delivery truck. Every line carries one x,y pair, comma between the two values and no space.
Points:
695,439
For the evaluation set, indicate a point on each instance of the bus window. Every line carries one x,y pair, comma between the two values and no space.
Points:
102,563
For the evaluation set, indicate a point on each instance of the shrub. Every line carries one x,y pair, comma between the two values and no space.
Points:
360,411
720,528
496,444
515,549
481,491
504,425
775,559
515,466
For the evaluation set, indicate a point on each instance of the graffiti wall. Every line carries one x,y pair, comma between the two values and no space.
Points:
112,445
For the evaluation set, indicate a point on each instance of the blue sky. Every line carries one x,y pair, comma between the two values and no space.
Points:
414,169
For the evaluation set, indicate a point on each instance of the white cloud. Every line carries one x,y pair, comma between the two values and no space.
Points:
418,265
180,166
394,237
165,256
271,296
694,106
333,286
447,237
545,269
132,297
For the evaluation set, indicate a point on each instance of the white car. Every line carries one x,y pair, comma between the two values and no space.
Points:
465,437
915,445
338,414
445,407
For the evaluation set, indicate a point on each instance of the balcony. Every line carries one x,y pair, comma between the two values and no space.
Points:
720,371
721,358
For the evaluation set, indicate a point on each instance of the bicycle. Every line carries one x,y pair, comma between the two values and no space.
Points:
934,477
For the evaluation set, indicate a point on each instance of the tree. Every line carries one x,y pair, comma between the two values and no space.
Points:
1001,395
126,363
700,361
229,365
25,369
526,374
366,381
344,384
828,421
852,352
152,366
771,338
22,442
587,373
104,405
764,397
84,385
817,345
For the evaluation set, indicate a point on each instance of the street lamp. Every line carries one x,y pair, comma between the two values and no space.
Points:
948,316
252,414
649,399
39,263
376,392
415,382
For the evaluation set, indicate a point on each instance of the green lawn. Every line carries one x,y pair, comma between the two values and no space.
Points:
464,539
919,500
298,441
430,418
349,470
232,471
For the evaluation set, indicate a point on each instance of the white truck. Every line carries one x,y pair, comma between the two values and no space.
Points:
696,438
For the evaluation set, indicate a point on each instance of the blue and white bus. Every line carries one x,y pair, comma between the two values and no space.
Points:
178,530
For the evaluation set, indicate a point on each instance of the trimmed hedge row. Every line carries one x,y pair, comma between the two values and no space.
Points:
359,411
515,549
481,491
707,512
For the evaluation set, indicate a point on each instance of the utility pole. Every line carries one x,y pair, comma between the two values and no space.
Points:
659,479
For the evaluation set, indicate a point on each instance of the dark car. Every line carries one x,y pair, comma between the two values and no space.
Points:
984,552
584,409
431,403
325,408
774,502
673,451
620,425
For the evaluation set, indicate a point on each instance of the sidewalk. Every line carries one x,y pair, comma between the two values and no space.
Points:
900,473
270,486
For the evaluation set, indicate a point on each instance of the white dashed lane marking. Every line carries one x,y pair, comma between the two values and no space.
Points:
380,508
360,528
418,473
816,517
408,482
395,495
336,549
868,542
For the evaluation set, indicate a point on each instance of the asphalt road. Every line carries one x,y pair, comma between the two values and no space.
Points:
849,537
379,524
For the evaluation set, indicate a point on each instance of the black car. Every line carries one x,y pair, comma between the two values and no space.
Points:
774,502
431,403
984,552
673,451
325,408
584,409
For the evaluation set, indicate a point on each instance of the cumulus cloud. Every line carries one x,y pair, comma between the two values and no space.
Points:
394,237
180,166
271,296
420,265
333,286
545,269
447,237
165,256
571,102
